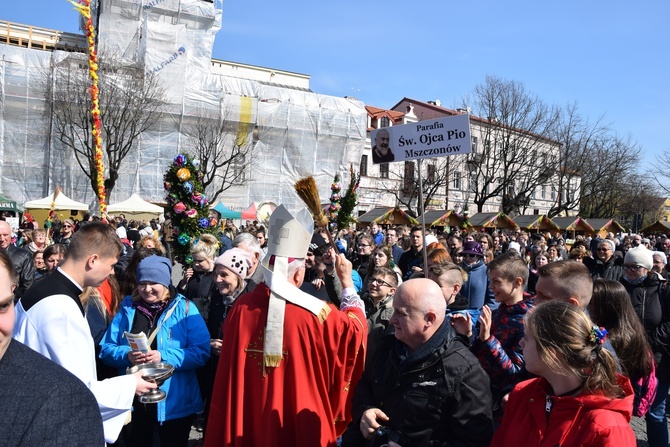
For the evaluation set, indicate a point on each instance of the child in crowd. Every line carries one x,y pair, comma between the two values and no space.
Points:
579,399
498,343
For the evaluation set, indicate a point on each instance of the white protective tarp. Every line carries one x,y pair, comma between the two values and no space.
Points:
291,133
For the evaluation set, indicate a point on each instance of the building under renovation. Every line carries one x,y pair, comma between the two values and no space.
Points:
290,130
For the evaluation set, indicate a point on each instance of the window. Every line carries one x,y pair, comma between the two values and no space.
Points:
431,173
384,170
474,144
364,166
384,121
544,192
409,177
456,182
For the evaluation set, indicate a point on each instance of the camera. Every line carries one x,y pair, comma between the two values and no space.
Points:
382,436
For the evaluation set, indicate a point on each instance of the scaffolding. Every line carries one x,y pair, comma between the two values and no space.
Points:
291,131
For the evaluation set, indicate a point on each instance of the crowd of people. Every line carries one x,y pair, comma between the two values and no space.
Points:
288,335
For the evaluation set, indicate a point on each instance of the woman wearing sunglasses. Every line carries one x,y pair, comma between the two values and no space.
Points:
66,233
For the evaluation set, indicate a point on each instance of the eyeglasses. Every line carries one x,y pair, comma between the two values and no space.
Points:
363,245
380,282
604,249
468,255
67,226
633,267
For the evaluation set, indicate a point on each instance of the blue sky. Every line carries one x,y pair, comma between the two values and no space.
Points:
611,57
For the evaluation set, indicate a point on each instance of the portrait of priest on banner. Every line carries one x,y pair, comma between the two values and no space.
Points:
381,151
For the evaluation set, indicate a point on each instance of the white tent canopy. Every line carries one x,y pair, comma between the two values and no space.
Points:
62,202
135,204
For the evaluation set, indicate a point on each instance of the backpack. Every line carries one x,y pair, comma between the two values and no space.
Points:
645,392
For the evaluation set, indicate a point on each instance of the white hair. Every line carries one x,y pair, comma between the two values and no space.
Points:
248,242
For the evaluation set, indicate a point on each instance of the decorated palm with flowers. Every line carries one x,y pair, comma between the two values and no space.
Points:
84,8
334,207
188,207
348,201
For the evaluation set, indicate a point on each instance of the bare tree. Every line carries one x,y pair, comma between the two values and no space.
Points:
403,182
607,175
640,197
661,172
579,139
131,102
222,146
514,153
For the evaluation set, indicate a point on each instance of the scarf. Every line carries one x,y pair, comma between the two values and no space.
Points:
150,310
634,282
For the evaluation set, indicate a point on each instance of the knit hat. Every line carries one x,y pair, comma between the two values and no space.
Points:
514,246
236,260
156,269
641,256
472,248
429,239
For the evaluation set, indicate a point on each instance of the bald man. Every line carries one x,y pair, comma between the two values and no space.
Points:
21,259
423,383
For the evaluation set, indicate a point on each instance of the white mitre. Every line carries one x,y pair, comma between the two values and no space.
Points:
289,237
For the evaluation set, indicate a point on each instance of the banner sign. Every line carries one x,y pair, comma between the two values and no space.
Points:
440,137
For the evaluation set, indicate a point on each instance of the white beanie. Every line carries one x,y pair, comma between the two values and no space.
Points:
641,256
429,239
514,246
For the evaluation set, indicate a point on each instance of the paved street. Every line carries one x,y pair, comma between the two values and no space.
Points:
637,423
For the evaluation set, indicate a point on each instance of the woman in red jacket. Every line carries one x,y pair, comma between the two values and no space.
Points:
578,398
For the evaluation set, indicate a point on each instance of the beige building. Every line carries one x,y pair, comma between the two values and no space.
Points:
453,181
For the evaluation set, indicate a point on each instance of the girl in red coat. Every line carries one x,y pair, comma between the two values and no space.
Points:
578,398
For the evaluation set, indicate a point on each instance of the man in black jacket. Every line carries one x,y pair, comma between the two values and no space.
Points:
21,259
424,385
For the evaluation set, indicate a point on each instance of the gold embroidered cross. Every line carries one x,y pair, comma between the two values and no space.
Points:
255,352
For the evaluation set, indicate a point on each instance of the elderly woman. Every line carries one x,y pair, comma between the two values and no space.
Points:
648,293
230,271
39,241
660,264
177,335
198,280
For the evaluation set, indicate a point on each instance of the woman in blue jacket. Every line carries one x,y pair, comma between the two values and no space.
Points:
181,340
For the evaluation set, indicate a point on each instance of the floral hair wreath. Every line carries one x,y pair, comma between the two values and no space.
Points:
597,335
